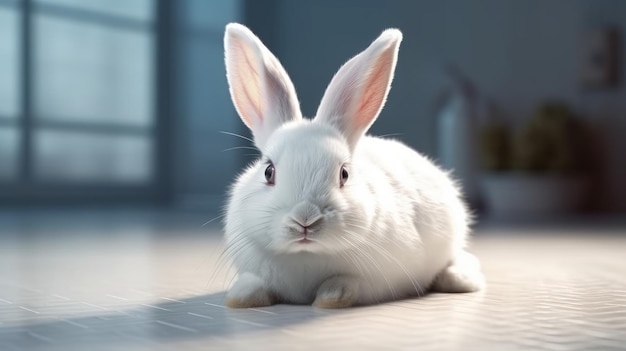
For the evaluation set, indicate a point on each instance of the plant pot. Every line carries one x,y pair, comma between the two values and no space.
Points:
513,193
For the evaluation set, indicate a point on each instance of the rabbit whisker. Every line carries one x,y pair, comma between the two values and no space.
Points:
213,219
237,135
239,148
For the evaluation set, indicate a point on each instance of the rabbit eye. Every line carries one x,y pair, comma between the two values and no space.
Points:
343,176
270,173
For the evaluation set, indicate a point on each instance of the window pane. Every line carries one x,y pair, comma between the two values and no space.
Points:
9,140
91,73
83,157
9,63
136,9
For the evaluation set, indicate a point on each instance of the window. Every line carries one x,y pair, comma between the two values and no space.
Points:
9,91
77,95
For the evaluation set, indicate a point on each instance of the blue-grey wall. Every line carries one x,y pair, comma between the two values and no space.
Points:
203,169
517,52
205,163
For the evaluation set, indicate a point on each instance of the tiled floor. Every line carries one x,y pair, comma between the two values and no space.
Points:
85,281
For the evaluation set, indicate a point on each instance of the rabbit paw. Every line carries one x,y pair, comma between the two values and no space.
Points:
337,292
249,291
462,275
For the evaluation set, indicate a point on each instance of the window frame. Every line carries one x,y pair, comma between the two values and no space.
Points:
24,189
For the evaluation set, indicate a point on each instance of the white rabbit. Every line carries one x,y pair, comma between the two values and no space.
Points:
330,216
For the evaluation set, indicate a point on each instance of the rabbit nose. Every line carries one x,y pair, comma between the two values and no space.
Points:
305,218
306,213
309,223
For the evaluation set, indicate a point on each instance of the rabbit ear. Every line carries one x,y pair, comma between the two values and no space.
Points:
358,91
259,86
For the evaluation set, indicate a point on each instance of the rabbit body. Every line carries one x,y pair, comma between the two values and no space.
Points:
328,215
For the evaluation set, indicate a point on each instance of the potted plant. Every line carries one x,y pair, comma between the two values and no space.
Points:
538,171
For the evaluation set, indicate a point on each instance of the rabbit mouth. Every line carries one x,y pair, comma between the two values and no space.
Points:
302,239
303,244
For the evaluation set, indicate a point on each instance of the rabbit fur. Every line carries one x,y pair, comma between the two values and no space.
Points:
330,216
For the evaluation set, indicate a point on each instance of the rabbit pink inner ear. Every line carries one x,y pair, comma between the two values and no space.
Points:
242,68
261,90
358,91
374,92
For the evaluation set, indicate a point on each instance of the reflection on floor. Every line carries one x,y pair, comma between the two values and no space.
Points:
88,281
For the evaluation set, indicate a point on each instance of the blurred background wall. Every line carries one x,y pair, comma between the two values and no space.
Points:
123,101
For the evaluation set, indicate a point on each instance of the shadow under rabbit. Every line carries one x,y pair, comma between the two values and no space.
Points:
194,317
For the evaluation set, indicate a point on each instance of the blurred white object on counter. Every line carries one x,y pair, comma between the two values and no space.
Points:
456,127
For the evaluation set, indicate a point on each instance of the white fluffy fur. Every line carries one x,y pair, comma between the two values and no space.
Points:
395,229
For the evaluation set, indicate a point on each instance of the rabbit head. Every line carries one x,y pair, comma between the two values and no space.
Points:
305,193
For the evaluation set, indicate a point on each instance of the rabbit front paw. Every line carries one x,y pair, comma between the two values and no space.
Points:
249,291
337,292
